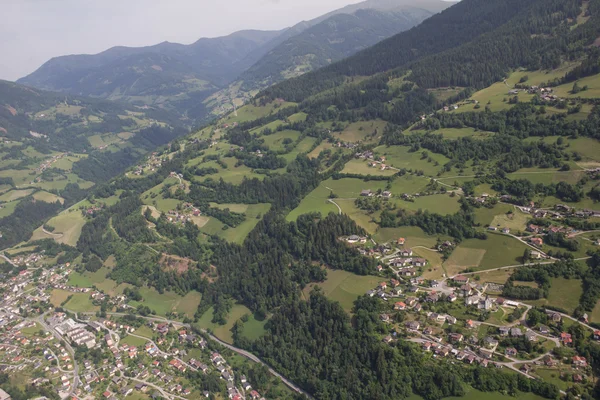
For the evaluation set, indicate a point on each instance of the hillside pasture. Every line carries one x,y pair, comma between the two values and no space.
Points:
254,213
563,293
495,252
344,287
223,332
251,112
400,157
361,131
8,208
361,167
15,195
47,197
275,140
67,227
438,203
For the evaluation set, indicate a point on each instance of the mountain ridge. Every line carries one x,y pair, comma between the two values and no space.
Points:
179,77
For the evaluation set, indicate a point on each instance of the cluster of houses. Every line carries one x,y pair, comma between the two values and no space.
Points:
369,193
48,162
28,260
153,163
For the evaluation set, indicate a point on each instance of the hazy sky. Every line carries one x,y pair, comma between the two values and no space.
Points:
33,31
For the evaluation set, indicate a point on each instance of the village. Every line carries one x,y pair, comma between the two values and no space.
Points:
458,318
86,356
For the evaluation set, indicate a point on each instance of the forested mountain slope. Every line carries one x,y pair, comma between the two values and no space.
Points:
328,234
179,77
489,36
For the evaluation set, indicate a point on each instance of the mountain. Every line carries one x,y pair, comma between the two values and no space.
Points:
283,225
327,39
179,77
168,75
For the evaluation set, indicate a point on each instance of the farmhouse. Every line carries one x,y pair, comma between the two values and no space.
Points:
537,241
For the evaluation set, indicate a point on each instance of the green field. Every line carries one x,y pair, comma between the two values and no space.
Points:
593,91
547,176
499,217
15,195
364,220
250,112
8,208
253,212
133,341
456,133
410,184
361,167
497,96
81,302
47,197
358,131
67,227
401,157
346,188
166,302
344,287
497,251
414,236
564,293
223,332
438,203
275,140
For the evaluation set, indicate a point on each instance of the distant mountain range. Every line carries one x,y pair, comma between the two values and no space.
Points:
207,76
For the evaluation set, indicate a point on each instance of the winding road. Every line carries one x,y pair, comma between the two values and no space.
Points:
237,350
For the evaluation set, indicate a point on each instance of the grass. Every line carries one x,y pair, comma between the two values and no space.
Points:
358,131
595,314
400,157
410,184
8,208
563,293
456,133
497,251
361,167
495,96
251,112
363,219
68,224
499,276
223,332
275,140
133,341
81,302
593,91
499,217
344,287
254,213
547,176
166,302
317,150
414,236
47,197
238,208
347,188
474,394
438,203
15,195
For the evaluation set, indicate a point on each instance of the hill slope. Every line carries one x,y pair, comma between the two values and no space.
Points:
179,77
168,74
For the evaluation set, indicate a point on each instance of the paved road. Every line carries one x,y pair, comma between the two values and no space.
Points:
40,320
239,351
8,260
